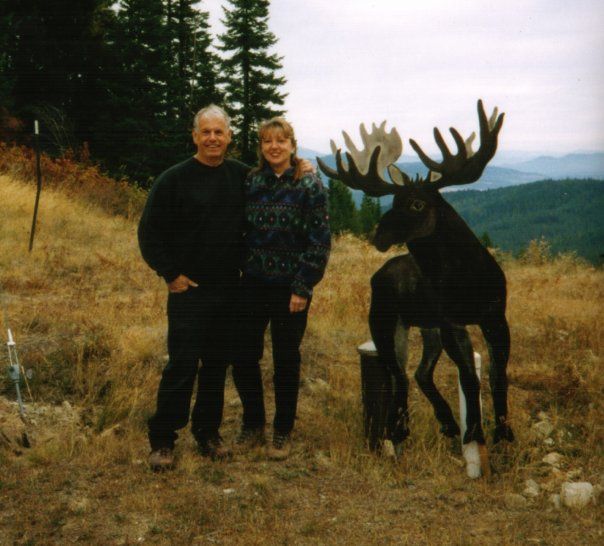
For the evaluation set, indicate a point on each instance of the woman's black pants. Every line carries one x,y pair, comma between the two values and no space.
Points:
261,304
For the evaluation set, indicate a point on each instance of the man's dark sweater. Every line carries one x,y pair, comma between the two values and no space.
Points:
192,222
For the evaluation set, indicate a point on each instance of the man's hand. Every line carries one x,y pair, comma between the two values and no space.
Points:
181,284
307,167
297,303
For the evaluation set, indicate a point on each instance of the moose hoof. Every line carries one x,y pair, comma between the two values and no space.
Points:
503,432
391,450
388,450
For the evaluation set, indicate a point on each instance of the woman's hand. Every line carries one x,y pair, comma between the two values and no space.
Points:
297,303
307,167
181,284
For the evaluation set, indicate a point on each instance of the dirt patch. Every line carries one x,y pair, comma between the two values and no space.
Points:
41,424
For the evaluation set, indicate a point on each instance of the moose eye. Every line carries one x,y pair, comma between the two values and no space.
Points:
416,205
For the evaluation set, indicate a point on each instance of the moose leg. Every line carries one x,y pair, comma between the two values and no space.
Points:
383,319
497,336
398,416
424,375
458,346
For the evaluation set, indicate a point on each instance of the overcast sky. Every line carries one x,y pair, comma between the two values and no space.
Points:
423,63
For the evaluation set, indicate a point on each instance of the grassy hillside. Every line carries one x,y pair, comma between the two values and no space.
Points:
89,320
567,213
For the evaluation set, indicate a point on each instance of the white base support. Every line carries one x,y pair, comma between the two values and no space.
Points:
367,348
471,452
388,449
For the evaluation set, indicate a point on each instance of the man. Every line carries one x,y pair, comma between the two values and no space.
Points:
190,234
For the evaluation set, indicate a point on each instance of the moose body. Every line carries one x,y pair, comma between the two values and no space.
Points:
459,280
446,282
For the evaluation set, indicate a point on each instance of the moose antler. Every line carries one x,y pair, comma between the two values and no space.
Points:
465,166
365,167
382,149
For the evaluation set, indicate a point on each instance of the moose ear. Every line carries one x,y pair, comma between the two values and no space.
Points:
397,176
434,176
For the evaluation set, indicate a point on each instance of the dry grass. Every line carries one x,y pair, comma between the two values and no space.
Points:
80,180
89,320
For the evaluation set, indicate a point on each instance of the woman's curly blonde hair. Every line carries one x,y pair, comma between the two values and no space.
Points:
281,125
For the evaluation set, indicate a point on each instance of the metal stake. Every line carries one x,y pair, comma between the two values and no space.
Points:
14,370
39,177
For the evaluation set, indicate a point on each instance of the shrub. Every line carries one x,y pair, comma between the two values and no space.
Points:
82,181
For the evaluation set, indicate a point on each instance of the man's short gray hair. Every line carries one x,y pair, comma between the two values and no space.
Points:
212,111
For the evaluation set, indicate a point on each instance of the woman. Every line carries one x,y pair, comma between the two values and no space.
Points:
288,241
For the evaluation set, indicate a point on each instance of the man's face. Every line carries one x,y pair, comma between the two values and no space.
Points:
211,137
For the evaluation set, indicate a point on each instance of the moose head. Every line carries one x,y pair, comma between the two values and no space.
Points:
415,205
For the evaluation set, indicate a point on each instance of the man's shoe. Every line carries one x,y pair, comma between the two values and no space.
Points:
214,448
280,448
250,438
161,459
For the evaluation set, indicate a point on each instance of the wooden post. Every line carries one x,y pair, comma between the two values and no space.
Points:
377,388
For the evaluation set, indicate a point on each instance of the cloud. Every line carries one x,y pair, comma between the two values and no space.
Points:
424,64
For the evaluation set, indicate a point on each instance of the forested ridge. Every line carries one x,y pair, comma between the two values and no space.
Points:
566,213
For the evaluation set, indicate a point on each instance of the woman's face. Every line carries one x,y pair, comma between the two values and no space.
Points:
277,149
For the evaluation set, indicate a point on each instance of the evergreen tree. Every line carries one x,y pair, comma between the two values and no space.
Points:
132,129
342,212
369,214
53,63
485,239
249,71
192,80
6,74
204,86
166,73
126,77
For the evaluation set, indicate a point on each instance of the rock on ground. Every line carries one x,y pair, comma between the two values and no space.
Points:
577,494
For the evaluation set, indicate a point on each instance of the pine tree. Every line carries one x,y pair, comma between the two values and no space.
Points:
53,62
165,73
192,81
369,214
485,239
204,86
6,78
132,127
193,66
249,71
342,212
126,80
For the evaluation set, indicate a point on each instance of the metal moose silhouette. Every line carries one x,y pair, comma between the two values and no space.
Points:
447,281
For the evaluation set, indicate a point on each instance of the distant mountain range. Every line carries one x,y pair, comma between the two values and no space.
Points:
568,166
575,166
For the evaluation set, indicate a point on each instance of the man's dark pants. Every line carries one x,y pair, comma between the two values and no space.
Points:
198,330
262,303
